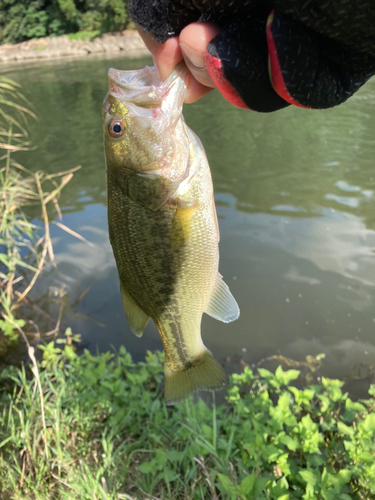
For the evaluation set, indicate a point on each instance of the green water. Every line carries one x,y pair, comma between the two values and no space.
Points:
295,201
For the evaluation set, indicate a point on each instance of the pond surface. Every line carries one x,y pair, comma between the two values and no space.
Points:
295,199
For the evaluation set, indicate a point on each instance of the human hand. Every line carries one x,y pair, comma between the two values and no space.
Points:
265,56
190,46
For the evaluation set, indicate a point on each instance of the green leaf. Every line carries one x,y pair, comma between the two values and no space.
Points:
325,402
283,462
314,461
175,456
147,467
366,457
290,442
247,484
168,475
336,480
308,424
259,485
333,387
309,477
369,423
266,374
345,429
310,493
354,406
69,352
226,483
207,431
304,396
286,377
328,494
8,327
344,476
161,458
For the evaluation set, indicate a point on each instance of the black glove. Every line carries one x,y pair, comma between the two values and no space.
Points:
311,53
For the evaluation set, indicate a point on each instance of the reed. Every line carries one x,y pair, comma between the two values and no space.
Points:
25,248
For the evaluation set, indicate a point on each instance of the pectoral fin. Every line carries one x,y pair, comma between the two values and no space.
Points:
136,317
222,305
150,190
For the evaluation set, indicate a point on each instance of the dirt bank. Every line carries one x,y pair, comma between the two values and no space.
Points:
128,41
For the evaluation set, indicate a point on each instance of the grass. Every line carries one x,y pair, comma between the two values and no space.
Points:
108,435
25,249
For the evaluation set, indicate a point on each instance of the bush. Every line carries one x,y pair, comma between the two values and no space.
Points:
24,19
108,434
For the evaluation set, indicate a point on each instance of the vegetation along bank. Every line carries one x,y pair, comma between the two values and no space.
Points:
95,427
22,20
45,29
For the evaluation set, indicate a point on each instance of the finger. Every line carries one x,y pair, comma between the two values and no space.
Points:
193,43
195,90
166,55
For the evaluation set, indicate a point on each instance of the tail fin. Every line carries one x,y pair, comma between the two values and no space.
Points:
207,376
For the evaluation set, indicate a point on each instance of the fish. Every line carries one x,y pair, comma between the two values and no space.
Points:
163,226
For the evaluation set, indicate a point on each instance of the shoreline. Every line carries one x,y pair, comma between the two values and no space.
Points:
128,42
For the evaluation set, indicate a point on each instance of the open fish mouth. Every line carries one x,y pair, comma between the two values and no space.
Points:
135,79
143,87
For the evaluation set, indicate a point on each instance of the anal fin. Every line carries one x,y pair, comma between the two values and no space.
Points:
136,317
223,305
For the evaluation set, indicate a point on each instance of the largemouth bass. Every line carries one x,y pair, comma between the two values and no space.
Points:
163,226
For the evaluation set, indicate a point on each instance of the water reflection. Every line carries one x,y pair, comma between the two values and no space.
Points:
295,200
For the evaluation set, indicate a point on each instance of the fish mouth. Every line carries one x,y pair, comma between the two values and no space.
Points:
134,79
142,87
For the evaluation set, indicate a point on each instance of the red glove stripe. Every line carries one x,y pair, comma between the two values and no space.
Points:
276,76
213,65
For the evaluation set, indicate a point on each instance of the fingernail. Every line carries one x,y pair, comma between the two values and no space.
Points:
194,57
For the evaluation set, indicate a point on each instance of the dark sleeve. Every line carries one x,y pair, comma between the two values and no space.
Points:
310,53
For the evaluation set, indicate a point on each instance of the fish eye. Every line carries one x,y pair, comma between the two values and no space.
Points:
116,128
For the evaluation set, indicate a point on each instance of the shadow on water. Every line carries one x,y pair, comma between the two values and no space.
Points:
295,200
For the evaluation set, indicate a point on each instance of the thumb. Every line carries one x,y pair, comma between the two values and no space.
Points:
193,44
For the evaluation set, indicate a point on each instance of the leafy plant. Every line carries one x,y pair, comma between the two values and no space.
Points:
111,436
58,356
